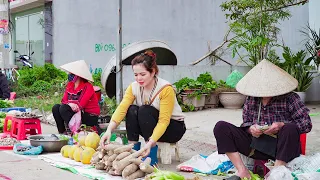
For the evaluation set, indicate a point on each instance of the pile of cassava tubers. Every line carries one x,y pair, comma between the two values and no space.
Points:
122,160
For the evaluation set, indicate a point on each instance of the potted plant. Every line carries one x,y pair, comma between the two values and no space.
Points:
191,93
212,98
208,87
296,65
229,97
304,78
108,107
313,45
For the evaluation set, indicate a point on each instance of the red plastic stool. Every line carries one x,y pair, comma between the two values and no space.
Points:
259,164
23,126
5,125
303,143
259,167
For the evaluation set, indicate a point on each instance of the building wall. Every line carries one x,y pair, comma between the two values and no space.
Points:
87,30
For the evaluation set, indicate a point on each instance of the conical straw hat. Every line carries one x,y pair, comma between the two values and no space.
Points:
266,80
79,68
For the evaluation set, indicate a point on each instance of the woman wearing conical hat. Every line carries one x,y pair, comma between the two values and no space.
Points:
78,96
273,119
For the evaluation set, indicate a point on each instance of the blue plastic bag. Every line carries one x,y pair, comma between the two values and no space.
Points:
23,149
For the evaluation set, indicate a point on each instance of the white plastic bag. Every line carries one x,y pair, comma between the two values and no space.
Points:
309,176
75,122
207,164
280,172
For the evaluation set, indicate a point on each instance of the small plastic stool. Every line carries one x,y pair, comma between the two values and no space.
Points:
13,96
165,150
259,167
22,126
303,143
5,125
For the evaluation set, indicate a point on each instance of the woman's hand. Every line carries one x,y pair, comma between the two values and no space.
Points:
254,131
148,147
274,128
105,139
74,107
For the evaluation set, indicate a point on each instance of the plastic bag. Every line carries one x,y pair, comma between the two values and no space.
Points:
234,78
212,164
308,176
23,149
248,162
297,164
280,172
75,122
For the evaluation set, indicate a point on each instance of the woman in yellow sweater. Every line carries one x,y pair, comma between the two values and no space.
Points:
150,107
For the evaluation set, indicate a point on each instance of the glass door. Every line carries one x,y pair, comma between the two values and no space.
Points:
22,35
36,38
30,37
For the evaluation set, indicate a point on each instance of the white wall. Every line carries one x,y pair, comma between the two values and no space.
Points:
82,26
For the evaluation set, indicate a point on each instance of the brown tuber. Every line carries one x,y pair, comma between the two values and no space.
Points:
136,161
135,175
100,166
122,160
113,157
130,169
126,148
112,147
122,155
125,161
105,158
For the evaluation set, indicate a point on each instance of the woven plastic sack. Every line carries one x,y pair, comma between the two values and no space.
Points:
31,150
234,78
75,122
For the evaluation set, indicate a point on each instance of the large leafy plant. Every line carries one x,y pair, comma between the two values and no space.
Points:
313,44
296,65
254,24
187,84
208,84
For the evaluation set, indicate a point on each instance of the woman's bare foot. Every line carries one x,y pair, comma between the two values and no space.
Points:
244,173
280,163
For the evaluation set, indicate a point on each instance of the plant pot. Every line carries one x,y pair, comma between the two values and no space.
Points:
212,100
197,103
232,100
103,121
302,96
189,91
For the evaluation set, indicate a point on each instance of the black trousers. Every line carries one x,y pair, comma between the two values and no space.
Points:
63,113
235,139
142,121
